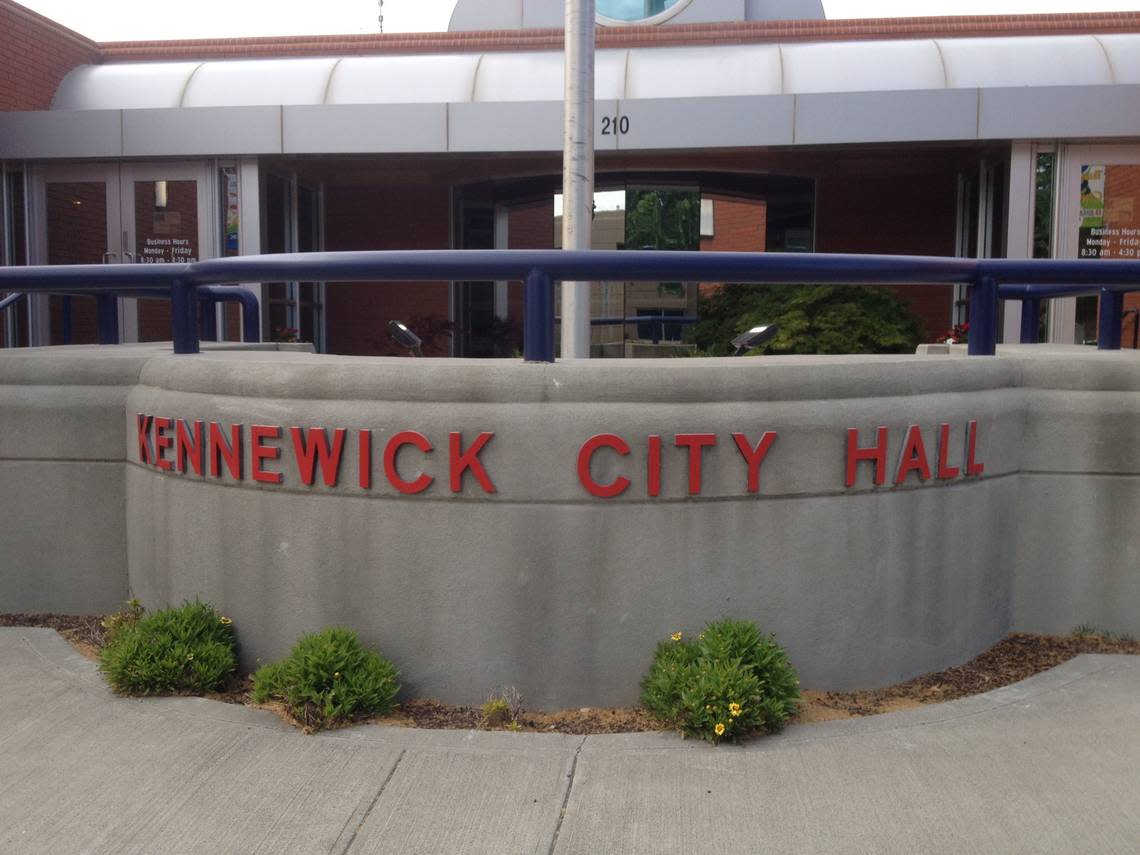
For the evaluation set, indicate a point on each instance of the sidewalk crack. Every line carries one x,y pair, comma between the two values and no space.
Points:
343,850
566,797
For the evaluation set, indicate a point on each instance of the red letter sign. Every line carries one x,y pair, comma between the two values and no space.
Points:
913,457
653,484
586,453
145,453
945,470
876,453
469,459
258,451
406,437
754,456
696,443
972,466
162,442
219,451
313,445
187,447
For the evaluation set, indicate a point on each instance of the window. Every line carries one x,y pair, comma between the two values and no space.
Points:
638,11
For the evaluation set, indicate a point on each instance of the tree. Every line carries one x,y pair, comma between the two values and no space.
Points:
812,319
662,219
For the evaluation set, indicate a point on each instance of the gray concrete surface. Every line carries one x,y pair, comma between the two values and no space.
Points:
544,587
1044,766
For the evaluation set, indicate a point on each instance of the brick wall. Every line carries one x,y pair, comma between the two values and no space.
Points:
739,225
528,227
883,210
35,54
738,32
386,217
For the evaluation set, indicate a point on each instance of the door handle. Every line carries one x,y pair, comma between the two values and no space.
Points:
128,257
107,255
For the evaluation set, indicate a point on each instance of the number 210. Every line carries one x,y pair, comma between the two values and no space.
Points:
613,125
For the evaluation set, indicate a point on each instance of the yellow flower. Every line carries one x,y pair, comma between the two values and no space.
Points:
189,657
336,675
719,729
734,710
226,621
676,636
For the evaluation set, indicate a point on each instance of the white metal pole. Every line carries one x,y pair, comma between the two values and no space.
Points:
578,170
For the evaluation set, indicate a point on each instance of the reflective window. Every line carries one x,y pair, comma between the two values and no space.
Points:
634,10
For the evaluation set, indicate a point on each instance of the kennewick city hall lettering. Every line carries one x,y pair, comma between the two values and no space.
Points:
211,449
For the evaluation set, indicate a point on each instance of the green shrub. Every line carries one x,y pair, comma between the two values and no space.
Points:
184,650
812,319
727,683
130,614
327,679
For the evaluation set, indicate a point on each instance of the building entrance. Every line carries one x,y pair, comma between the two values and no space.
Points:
115,214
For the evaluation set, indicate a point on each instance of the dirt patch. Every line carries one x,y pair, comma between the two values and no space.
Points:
1012,659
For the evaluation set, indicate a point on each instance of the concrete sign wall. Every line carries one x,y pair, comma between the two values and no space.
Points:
489,523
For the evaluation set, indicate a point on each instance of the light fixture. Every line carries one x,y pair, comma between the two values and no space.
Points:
160,194
754,338
405,337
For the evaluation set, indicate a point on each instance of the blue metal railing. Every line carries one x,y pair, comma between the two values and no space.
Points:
107,315
539,269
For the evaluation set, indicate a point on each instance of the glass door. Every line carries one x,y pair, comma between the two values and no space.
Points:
1099,217
78,215
166,216
115,214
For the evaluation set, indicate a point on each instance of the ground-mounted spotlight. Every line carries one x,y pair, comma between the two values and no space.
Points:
405,337
754,338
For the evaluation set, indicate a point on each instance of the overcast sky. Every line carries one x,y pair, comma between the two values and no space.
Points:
113,20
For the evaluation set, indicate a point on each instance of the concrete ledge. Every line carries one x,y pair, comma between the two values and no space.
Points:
535,578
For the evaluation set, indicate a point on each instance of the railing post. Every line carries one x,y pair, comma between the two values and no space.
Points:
1109,320
1030,314
538,318
184,318
107,312
983,317
208,318
250,318
65,318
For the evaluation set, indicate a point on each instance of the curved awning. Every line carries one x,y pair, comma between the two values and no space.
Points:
1076,86
696,72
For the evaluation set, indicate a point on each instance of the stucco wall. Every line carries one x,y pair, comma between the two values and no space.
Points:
545,587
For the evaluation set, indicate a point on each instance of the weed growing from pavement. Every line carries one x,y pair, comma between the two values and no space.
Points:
329,679
728,682
183,650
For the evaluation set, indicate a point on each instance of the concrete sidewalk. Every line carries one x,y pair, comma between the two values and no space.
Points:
1048,765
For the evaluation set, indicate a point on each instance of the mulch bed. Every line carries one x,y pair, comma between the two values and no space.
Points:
1012,659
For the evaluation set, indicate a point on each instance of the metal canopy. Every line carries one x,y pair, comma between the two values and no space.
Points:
695,72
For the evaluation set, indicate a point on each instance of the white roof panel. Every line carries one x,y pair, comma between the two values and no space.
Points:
1123,52
700,72
539,76
416,79
259,82
1036,61
887,66
130,86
